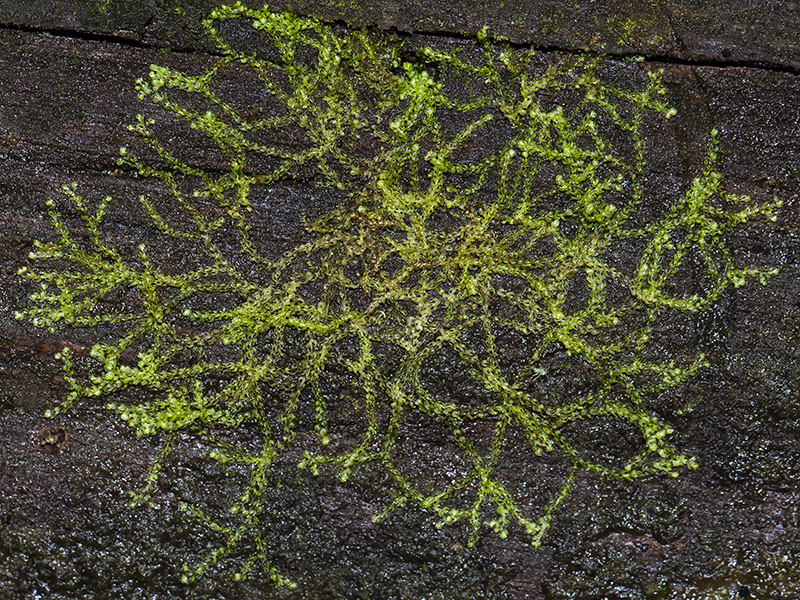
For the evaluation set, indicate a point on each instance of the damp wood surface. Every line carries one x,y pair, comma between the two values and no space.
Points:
753,32
729,529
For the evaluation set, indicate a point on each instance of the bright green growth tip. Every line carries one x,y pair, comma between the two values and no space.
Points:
490,226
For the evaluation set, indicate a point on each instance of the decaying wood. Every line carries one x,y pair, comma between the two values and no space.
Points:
730,529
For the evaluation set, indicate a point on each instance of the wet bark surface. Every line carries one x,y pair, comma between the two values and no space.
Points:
730,529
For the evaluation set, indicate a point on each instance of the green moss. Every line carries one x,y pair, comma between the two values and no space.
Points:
450,240
636,33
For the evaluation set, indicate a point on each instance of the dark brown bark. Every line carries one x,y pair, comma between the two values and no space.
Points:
729,529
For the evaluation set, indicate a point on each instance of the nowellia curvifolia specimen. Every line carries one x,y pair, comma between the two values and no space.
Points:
492,264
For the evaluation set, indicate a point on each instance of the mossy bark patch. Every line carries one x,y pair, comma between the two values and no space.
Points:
629,537
760,32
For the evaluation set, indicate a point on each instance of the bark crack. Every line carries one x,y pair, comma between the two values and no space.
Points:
656,59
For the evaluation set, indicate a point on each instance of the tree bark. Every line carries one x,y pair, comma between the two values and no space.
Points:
729,529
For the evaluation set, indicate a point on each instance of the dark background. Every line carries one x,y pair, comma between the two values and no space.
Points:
727,530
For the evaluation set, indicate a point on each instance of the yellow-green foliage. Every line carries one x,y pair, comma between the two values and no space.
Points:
476,190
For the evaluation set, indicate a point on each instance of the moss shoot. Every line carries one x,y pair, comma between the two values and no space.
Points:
486,199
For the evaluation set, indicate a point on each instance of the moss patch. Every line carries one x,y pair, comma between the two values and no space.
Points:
485,202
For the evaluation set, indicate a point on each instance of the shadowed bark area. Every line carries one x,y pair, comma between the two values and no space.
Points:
760,32
728,529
